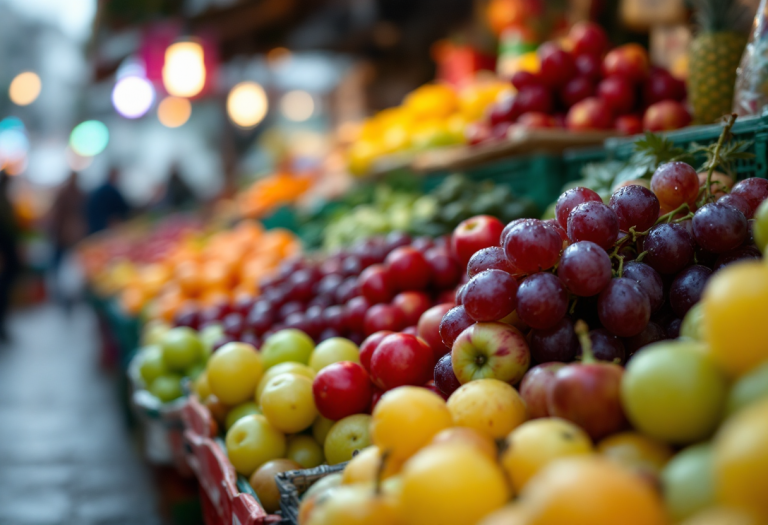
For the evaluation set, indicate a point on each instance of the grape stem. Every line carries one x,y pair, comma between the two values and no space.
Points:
667,217
716,156
573,305
641,256
582,331
621,265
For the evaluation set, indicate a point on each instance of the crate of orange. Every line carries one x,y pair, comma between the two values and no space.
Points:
227,266
268,194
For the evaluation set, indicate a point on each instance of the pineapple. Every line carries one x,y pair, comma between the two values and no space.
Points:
714,56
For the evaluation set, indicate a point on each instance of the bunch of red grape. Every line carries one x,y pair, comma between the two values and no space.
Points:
381,283
631,268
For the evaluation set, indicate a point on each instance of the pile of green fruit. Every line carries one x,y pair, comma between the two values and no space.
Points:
434,214
169,355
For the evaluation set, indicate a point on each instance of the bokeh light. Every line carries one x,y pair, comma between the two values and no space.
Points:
247,104
173,112
14,146
132,96
278,55
89,138
184,69
25,88
77,162
11,123
297,105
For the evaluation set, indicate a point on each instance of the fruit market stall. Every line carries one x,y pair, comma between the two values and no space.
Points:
505,373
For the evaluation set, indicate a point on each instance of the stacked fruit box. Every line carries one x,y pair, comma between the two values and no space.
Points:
223,502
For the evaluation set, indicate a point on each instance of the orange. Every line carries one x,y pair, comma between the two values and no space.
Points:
188,277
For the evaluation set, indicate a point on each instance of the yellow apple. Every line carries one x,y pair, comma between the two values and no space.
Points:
345,437
234,372
489,406
251,442
333,350
283,368
305,451
288,403
263,482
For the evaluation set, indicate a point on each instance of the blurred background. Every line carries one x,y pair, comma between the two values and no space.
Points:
132,130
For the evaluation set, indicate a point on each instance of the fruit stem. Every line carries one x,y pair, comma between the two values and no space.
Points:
621,265
641,256
684,218
573,305
380,472
582,331
716,156
667,217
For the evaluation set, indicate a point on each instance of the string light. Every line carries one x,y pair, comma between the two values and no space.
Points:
297,105
89,138
174,111
25,88
132,96
184,69
247,104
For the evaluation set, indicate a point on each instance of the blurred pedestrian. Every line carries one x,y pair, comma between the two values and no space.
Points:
10,262
67,227
105,205
178,195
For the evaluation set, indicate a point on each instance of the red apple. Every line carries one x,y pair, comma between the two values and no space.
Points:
411,305
576,90
409,268
355,311
383,317
445,378
618,93
661,85
429,329
377,393
490,350
557,65
535,385
377,284
523,79
475,234
454,322
444,268
342,389
369,345
535,120
535,98
589,39
590,113
401,359
630,61
500,131
588,393
589,66
501,111
665,116
410,330
629,125
477,133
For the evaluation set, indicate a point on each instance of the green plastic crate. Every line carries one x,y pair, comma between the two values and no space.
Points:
537,177
753,129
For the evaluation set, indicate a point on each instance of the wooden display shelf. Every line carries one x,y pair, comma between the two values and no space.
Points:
519,142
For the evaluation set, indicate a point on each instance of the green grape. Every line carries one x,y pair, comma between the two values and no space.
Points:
688,482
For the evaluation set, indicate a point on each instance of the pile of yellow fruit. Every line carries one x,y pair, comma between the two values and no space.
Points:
431,116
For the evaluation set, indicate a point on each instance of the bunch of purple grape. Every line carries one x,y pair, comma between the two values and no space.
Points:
631,268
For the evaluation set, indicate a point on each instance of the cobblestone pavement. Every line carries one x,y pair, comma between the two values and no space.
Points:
65,453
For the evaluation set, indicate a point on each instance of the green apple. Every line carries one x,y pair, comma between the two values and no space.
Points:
194,371
167,387
209,336
251,442
490,351
181,348
287,345
688,482
346,436
750,387
153,332
151,364
320,429
305,451
243,409
334,350
693,323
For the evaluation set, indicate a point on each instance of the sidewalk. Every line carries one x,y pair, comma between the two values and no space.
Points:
65,454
